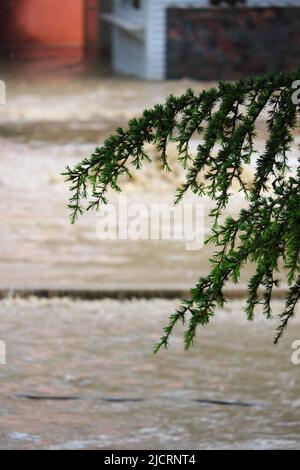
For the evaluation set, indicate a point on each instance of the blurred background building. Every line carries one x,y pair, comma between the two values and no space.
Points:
47,29
156,39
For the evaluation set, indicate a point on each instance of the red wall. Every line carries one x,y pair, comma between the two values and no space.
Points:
43,28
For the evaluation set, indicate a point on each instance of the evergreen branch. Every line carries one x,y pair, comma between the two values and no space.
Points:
266,233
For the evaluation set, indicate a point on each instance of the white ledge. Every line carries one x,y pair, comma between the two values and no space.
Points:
122,23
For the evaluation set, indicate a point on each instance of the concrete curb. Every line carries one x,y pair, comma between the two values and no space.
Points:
122,294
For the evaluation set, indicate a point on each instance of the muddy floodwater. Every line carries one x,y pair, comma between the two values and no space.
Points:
81,375
48,124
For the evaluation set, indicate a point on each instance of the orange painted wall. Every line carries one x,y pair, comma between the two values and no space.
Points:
45,28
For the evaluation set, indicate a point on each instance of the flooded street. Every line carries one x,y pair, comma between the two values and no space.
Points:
48,124
105,388
51,122
81,374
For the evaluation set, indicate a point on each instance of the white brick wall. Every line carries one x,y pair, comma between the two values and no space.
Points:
156,34
129,48
144,54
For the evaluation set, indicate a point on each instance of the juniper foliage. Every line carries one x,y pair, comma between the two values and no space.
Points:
266,233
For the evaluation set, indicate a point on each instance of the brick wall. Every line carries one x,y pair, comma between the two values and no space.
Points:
213,44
